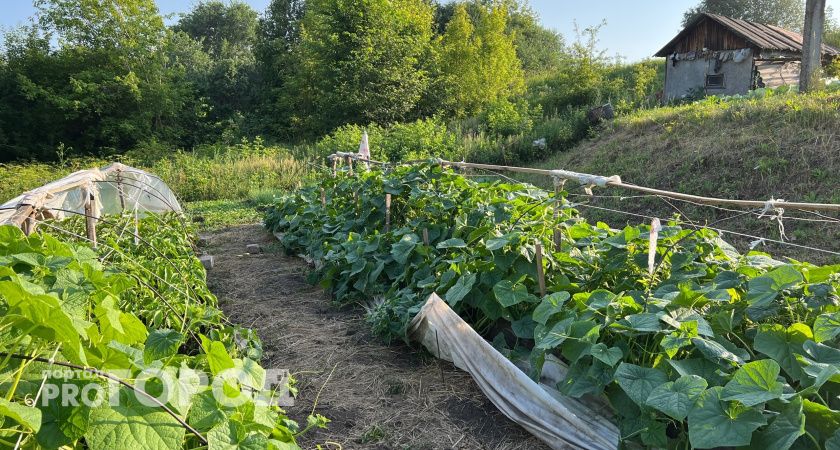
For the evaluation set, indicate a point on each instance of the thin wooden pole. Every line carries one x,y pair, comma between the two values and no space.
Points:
350,165
335,167
540,272
387,212
120,190
558,237
669,194
323,197
136,226
426,237
90,218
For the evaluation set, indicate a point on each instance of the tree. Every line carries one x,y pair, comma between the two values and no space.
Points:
228,34
478,64
538,48
783,13
278,37
103,88
809,76
362,61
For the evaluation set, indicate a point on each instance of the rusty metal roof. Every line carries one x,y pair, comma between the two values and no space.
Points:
765,37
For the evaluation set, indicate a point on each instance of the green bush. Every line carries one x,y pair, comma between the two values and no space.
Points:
399,142
229,172
506,118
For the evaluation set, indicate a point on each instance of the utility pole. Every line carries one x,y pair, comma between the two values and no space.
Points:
809,76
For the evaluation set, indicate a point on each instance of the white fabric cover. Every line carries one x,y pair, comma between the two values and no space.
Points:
559,421
142,192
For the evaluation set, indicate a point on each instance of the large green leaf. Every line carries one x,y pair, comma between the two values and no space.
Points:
821,421
714,422
833,443
827,327
27,416
676,398
206,412
782,345
62,424
161,344
549,306
401,250
783,430
550,337
644,322
508,294
452,243
499,242
131,425
44,315
763,290
716,352
639,382
231,435
609,356
755,383
460,289
217,356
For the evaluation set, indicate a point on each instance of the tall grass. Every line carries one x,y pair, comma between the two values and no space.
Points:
217,172
228,176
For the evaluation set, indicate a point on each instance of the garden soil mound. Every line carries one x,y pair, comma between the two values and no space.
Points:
377,396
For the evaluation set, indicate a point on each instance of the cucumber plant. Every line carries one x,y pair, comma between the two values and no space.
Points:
711,349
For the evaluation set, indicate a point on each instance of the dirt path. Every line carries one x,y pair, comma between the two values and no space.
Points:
379,396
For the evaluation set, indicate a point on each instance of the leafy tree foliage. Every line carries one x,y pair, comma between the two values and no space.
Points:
478,64
103,89
228,34
787,14
538,48
277,61
363,60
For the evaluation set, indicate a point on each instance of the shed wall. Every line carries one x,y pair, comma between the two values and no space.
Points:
687,75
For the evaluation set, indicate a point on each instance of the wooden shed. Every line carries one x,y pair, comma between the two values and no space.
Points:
720,55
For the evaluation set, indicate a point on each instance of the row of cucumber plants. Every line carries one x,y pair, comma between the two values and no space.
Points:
89,337
712,349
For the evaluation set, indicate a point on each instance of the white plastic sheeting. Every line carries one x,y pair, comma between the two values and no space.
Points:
559,421
141,192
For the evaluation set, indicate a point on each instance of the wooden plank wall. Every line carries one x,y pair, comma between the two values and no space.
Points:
778,73
712,35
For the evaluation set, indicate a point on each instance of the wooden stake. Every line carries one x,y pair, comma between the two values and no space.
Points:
120,191
426,237
136,227
540,273
335,166
29,225
323,197
350,165
90,219
558,235
387,212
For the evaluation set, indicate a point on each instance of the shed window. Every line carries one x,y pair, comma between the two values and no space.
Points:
715,81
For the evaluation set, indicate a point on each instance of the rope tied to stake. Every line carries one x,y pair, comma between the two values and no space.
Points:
775,213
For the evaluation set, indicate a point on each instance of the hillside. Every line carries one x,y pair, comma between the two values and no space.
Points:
782,146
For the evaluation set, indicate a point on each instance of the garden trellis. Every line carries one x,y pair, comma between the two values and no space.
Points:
668,322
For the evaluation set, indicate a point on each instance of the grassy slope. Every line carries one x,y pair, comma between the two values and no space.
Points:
786,146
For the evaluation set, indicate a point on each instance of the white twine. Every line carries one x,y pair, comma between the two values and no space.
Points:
775,213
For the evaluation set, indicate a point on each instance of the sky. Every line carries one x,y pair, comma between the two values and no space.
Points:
634,29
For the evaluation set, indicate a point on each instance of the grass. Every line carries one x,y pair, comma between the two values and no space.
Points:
783,147
210,215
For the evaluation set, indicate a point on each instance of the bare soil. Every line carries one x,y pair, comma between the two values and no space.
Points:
377,396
